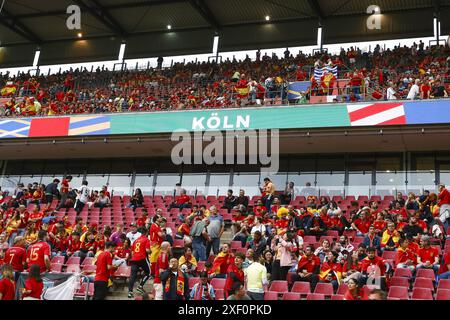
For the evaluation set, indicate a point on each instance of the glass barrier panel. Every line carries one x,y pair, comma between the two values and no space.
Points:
194,183
331,184
247,181
165,184
300,181
120,184
359,184
145,183
218,184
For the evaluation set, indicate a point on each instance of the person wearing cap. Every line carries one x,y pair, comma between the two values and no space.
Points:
133,234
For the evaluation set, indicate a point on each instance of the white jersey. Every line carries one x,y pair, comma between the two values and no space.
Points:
83,195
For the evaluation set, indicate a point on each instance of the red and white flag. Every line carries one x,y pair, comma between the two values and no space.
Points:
376,114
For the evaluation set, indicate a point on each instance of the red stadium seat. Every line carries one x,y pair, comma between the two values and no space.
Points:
278,286
269,295
426,273
399,293
58,259
123,272
443,294
291,296
88,261
219,294
424,283
403,272
201,265
82,292
73,268
337,297
389,254
89,268
193,281
400,282
218,283
325,289
234,245
444,284
178,243
315,296
73,260
301,287
333,233
342,288
422,294
56,267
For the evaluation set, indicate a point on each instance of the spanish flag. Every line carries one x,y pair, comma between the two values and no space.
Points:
243,91
9,90
221,263
333,269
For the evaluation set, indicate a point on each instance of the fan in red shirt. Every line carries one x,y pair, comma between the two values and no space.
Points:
17,256
162,264
142,220
373,265
139,261
7,285
363,223
104,265
444,204
39,253
428,256
331,270
33,285
235,273
157,237
308,267
36,217
74,244
405,258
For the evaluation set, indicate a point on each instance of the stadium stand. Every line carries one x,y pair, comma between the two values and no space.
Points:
337,222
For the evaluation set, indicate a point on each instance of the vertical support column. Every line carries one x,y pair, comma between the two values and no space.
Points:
215,49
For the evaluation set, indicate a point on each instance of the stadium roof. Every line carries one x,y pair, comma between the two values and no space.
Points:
27,24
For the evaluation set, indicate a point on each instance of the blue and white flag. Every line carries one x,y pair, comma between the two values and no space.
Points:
319,72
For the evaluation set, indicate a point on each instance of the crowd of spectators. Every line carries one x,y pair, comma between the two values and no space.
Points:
416,72
276,237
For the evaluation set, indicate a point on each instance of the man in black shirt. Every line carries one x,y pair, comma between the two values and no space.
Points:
230,201
399,199
412,229
175,282
242,199
438,90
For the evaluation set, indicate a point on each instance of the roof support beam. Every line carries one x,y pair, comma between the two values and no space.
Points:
205,12
101,15
314,4
13,23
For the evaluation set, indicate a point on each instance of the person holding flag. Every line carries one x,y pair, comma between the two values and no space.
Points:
331,270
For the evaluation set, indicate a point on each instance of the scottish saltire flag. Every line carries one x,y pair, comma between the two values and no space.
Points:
376,114
91,125
319,72
14,128
296,87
